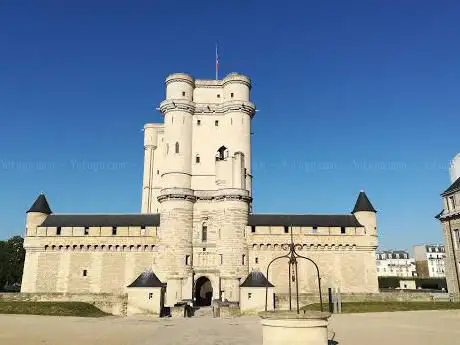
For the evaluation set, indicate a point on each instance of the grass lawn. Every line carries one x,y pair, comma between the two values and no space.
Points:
375,307
51,308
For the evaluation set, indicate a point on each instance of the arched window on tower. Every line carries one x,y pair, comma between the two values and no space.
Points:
204,233
177,147
222,153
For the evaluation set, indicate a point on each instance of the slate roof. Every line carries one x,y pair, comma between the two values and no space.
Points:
88,220
363,204
147,279
40,205
110,220
453,187
256,279
327,220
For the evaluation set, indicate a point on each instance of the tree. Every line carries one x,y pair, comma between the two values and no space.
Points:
12,256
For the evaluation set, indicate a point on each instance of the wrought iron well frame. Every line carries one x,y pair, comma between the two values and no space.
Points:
292,256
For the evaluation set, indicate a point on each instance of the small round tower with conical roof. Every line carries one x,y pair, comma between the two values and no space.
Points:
37,214
366,214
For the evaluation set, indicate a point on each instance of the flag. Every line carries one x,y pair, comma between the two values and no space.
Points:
217,62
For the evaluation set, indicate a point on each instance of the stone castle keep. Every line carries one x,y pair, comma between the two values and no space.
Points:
196,235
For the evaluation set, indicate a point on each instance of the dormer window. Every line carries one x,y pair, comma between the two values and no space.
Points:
222,153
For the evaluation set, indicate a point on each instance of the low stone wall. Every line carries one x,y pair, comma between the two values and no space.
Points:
230,311
282,300
109,303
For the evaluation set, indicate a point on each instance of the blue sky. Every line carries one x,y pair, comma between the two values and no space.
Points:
352,95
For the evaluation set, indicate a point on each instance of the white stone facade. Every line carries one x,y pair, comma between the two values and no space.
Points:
196,220
434,255
455,168
395,264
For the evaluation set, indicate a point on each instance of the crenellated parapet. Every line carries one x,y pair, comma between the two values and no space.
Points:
223,194
169,105
176,194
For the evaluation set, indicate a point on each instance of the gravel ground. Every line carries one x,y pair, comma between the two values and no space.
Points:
408,328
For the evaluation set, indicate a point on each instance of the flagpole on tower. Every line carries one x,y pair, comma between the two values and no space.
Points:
217,62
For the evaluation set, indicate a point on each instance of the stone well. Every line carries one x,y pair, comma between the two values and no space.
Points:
288,327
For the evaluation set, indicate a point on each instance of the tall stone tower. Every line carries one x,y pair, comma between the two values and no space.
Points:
197,175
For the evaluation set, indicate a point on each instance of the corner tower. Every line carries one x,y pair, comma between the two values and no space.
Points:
36,215
234,199
176,198
366,214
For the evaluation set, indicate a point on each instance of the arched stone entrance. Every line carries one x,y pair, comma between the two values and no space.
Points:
203,291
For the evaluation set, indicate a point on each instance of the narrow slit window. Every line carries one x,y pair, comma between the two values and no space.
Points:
342,230
86,230
216,123
177,147
58,231
197,159
198,122
253,229
114,230
286,229
204,233
85,273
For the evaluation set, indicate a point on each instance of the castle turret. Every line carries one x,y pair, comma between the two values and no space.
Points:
37,214
234,200
365,213
239,109
176,198
152,179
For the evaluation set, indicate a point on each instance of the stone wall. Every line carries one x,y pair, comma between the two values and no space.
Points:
346,261
61,271
109,303
282,300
